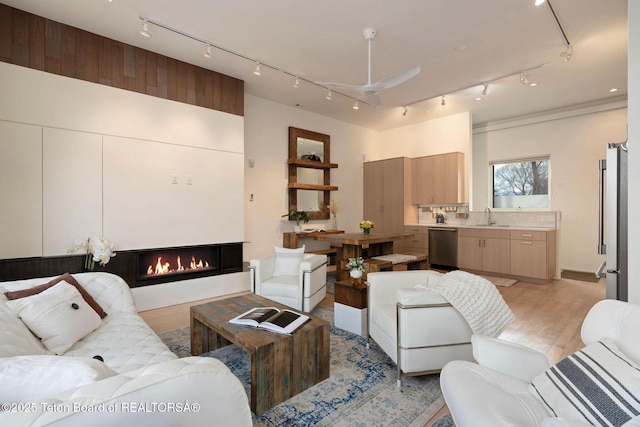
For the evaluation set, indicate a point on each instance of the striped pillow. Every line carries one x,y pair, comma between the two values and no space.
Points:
598,385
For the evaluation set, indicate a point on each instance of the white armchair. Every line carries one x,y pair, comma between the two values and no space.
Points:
416,327
508,384
302,291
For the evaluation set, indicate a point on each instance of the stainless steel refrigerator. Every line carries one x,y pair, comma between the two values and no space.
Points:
613,223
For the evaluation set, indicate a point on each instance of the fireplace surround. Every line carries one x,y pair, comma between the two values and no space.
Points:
133,265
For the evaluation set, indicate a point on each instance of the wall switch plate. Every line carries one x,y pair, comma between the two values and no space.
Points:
189,180
174,179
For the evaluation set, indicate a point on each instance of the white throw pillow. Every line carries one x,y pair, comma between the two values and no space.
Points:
598,385
288,261
32,378
59,316
15,338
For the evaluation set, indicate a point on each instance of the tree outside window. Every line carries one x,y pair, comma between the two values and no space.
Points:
521,183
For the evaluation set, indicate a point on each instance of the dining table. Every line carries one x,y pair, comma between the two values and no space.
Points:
355,245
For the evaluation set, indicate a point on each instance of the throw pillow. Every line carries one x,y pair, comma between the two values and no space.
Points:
288,261
598,385
33,378
67,278
59,316
15,338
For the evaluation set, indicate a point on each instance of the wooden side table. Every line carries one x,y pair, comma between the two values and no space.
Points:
350,307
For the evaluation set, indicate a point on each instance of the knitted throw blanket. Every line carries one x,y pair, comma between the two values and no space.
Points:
477,300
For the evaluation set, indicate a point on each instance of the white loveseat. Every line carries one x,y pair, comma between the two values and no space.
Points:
512,385
140,382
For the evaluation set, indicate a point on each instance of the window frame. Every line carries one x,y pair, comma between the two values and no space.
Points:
491,197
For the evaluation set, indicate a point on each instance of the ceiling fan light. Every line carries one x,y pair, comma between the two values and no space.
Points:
257,71
329,95
144,28
356,105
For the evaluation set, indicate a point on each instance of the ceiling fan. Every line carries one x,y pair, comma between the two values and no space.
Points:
371,91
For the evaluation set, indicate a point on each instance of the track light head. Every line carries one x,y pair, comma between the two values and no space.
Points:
329,95
524,78
296,83
207,51
443,102
567,53
404,110
257,71
485,88
539,2
144,28
356,105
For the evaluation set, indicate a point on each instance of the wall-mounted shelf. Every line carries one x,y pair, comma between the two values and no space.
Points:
311,164
316,187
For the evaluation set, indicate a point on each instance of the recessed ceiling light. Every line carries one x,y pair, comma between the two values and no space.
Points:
613,89
533,84
479,98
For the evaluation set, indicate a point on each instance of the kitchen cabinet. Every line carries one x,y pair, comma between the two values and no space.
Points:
419,243
438,179
484,250
533,254
387,195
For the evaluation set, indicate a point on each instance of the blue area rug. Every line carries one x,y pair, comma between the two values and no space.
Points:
361,389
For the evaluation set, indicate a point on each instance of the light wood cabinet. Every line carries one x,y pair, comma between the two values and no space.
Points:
484,250
533,254
419,243
387,195
438,179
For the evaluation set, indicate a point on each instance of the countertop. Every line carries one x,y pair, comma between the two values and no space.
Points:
482,227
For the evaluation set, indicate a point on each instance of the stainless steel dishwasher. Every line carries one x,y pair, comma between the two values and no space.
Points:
443,247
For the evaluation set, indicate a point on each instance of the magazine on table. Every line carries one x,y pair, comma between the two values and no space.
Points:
281,321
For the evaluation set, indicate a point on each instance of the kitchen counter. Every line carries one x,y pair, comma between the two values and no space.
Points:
484,227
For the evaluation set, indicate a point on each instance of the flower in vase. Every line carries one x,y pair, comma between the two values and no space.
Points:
366,226
356,264
97,250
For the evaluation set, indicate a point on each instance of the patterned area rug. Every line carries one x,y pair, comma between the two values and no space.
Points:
444,421
361,389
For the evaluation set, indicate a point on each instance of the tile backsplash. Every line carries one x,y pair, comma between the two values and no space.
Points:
547,219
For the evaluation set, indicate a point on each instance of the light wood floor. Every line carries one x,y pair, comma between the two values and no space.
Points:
548,317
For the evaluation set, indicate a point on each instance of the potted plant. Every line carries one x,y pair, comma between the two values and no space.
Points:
356,267
297,216
366,226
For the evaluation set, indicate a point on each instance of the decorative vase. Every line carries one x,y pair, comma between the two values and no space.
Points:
297,229
89,263
366,231
334,223
356,274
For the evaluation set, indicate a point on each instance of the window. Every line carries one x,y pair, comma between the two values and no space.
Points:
520,183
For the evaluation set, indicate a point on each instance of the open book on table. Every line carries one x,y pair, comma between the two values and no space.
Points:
282,321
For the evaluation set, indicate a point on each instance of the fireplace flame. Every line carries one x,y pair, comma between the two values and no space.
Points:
164,268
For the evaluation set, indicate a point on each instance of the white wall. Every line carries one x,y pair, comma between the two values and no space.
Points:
79,159
267,144
634,151
575,143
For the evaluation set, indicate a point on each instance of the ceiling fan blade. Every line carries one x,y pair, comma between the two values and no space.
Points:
373,100
398,78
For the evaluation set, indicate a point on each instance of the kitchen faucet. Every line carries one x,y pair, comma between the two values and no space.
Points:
487,213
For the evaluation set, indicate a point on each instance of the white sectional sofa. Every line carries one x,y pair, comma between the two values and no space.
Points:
139,382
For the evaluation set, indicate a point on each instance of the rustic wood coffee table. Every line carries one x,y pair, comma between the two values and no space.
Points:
281,365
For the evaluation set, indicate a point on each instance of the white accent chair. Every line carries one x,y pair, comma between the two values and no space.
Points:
417,328
303,291
495,391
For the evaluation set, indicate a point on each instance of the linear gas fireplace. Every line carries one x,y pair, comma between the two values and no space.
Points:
190,261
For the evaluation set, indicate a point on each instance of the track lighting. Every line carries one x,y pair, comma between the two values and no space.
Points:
404,110
524,79
568,53
443,102
207,51
257,71
329,95
144,28
485,88
296,83
356,105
